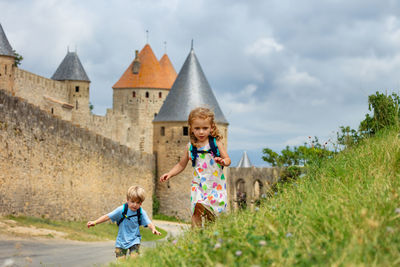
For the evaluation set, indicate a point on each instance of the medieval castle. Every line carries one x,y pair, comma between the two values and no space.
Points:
58,158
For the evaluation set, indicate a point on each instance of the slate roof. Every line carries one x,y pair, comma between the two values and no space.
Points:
150,75
244,161
70,69
191,89
5,47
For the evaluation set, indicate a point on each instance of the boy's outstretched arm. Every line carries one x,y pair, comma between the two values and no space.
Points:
102,219
178,168
153,229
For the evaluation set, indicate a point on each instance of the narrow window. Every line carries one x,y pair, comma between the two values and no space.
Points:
147,94
185,131
159,95
77,89
162,131
52,110
133,94
76,106
5,69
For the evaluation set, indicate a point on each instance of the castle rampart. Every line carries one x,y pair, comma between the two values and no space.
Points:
55,169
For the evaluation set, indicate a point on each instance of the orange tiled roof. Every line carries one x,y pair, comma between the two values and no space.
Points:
149,75
168,71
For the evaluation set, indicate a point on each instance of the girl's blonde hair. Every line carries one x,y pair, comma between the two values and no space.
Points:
135,193
203,113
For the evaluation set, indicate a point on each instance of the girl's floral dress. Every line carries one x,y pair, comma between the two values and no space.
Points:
208,183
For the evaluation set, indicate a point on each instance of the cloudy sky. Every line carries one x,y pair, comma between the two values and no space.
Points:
281,70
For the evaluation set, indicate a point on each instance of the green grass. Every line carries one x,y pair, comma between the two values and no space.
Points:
345,213
79,231
163,217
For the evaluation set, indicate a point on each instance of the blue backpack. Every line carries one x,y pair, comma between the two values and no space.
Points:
213,150
125,211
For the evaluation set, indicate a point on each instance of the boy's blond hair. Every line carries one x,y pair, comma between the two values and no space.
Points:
136,193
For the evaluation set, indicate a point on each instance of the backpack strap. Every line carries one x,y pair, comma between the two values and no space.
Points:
214,149
124,212
193,154
213,146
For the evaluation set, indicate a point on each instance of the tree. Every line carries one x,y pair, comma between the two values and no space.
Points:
385,110
18,59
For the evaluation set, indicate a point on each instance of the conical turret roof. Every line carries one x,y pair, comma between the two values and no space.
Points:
5,47
148,76
190,90
244,161
168,71
70,69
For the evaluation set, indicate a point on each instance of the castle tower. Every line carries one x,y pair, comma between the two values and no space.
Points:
138,96
74,75
171,135
7,63
244,161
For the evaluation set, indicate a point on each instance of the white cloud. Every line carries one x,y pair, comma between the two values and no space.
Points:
264,46
293,77
280,70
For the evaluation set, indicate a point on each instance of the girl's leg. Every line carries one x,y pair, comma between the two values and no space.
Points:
197,214
210,216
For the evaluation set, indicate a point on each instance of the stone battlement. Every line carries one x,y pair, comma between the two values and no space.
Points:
54,168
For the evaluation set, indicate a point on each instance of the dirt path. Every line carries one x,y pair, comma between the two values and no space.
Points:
36,251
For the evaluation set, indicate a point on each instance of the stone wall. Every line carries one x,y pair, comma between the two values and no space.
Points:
51,168
7,73
253,182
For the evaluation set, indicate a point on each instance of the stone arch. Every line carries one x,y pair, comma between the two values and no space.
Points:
240,193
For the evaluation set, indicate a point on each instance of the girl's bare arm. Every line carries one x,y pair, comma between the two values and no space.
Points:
178,168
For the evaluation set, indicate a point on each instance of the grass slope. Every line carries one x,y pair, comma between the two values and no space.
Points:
344,213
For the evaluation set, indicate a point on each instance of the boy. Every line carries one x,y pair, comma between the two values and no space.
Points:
128,237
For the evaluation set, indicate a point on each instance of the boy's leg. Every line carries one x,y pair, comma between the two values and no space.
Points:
120,253
134,251
196,217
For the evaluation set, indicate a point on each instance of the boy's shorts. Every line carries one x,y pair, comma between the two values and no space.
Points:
121,252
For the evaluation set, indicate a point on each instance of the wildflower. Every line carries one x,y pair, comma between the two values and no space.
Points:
216,233
174,241
276,193
257,209
300,201
217,245
397,210
289,234
363,212
262,242
389,229
238,253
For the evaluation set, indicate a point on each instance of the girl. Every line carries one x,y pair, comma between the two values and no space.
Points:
208,156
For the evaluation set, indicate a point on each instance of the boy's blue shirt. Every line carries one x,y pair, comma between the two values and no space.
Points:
128,232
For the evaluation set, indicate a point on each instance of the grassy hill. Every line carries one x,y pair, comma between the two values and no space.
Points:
346,212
